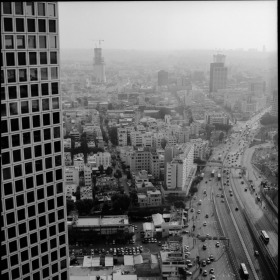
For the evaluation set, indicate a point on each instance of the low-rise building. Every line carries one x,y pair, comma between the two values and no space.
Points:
71,175
67,143
216,118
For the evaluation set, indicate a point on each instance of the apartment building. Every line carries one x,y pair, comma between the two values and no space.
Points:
122,136
149,199
200,148
87,175
79,162
67,159
103,159
71,174
75,134
34,243
216,117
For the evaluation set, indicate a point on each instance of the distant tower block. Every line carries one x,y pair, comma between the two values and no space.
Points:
99,66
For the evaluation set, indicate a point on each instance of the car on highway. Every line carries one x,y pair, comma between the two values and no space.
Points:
206,216
203,263
204,273
205,224
204,247
213,277
211,271
242,182
198,211
211,257
208,261
218,195
192,210
256,253
245,189
217,244
188,272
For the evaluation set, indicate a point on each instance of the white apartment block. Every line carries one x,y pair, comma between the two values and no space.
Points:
78,161
67,143
103,159
87,175
179,168
91,144
172,140
183,135
67,159
195,128
213,118
200,148
151,199
70,189
75,133
71,174
122,136
136,138
141,128
91,160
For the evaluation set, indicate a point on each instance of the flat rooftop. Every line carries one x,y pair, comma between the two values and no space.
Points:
98,221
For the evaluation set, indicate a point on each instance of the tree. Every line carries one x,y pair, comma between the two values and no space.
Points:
267,119
164,111
105,208
120,202
221,136
70,206
109,171
163,143
101,168
84,206
113,135
179,204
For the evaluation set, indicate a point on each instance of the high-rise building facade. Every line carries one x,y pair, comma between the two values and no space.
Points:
274,110
34,241
162,78
99,66
218,73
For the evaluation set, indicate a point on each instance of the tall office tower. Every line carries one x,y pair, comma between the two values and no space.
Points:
34,241
274,110
218,73
99,66
162,78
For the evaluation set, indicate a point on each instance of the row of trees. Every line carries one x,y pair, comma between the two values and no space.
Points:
267,119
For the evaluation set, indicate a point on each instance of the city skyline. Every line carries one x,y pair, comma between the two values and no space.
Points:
148,26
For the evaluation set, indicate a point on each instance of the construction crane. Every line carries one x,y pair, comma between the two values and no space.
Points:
99,42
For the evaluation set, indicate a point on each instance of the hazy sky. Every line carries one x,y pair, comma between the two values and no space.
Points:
170,25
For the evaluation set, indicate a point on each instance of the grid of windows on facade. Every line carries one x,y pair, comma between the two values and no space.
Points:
34,236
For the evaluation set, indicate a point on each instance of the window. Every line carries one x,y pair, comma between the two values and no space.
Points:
10,220
53,243
42,25
10,59
30,197
22,230
35,265
49,177
53,56
54,73
12,92
15,273
3,93
31,25
39,165
33,74
59,188
25,268
44,74
56,132
6,158
42,42
40,194
17,170
48,148
46,119
33,238
45,89
19,185
50,191
53,42
52,26
21,214
25,124
2,73
32,58
35,106
21,58
11,232
9,203
34,90
40,180
56,118
55,268
51,218
58,174
41,9
31,42
11,76
51,10
46,272
38,151
14,125
3,110
17,155
27,153
50,204
37,136
60,214
31,213
24,107
29,9
52,230
29,183
26,138
19,24
8,25
34,253
13,108
15,140
45,104
18,8
36,121
41,208
9,42
7,8
60,201
22,75
20,200
43,58
24,255
21,42
47,134
42,221
8,188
